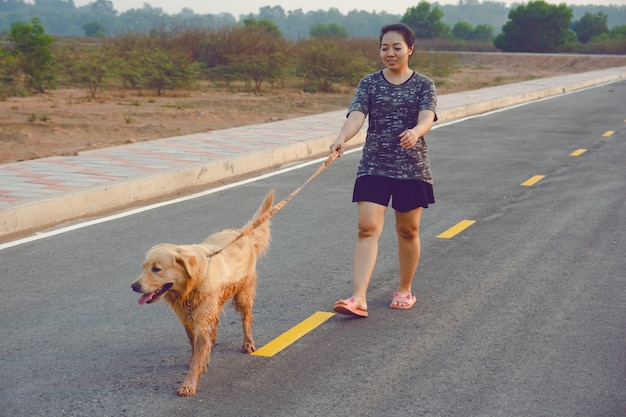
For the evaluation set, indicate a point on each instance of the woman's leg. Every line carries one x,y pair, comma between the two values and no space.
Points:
407,229
371,219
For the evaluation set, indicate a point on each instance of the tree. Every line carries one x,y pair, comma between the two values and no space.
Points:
536,27
155,61
590,25
483,32
94,30
322,62
253,53
264,25
425,23
163,70
31,47
330,30
90,66
9,73
103,7
261,59
259,55
465,31
462,30
618,32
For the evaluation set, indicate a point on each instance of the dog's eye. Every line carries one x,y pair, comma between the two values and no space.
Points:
155,269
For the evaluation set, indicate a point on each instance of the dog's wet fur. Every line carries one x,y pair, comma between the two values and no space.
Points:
196,285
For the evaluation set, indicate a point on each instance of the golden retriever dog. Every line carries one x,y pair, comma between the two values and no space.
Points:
196,283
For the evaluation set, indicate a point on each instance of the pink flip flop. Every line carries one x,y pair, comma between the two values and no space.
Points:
409,299
349,308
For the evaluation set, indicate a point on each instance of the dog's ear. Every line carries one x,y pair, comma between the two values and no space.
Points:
191,262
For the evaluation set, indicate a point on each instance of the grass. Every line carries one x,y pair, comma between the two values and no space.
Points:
42,117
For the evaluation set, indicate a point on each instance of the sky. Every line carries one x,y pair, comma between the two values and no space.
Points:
239,7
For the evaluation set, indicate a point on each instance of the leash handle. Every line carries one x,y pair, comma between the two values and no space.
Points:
278,206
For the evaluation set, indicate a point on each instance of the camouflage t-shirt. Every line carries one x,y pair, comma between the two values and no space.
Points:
391,109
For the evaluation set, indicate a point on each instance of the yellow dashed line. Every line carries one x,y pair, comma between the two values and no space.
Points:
455,230
608,133
306,326
295,333
533,180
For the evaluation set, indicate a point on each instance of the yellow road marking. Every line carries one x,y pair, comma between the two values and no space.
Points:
608,133
578,152
455,230
295,333
533,180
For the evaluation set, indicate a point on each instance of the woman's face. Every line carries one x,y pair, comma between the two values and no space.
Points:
394,52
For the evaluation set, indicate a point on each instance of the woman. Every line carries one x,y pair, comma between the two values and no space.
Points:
401,106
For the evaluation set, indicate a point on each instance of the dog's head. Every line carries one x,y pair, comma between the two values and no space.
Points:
167,268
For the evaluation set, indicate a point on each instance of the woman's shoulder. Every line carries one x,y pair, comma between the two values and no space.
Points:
373,77
421,78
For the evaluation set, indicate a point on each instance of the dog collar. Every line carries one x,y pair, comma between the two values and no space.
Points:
189,311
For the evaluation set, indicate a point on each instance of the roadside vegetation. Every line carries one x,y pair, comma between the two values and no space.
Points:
255,53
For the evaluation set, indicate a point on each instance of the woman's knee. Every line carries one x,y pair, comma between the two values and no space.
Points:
408,232
408,224
368,229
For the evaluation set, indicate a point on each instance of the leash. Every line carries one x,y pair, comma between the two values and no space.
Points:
268,214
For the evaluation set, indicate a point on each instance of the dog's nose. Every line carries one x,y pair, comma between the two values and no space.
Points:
136,287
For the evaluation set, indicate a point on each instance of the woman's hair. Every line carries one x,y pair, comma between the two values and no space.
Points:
402,29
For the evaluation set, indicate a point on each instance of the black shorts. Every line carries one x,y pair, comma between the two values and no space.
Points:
407,194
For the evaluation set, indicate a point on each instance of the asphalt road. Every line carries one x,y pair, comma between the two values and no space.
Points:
521,314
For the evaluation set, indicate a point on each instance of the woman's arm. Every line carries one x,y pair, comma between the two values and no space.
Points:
352,126
425,121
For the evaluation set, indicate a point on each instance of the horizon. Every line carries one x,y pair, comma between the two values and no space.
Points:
253,6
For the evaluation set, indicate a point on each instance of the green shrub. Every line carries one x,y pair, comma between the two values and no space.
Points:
30,46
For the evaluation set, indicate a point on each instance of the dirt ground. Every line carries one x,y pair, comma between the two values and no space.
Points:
67,121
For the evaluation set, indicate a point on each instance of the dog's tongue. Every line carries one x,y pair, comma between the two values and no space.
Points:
145,298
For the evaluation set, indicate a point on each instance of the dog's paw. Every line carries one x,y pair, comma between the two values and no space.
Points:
248,347
186,390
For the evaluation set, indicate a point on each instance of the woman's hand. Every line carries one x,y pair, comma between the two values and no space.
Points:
337,146
408,138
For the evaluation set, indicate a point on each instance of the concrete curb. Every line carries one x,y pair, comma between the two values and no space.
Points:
46,212
568,84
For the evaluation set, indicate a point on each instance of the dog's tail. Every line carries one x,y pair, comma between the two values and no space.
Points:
260,224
